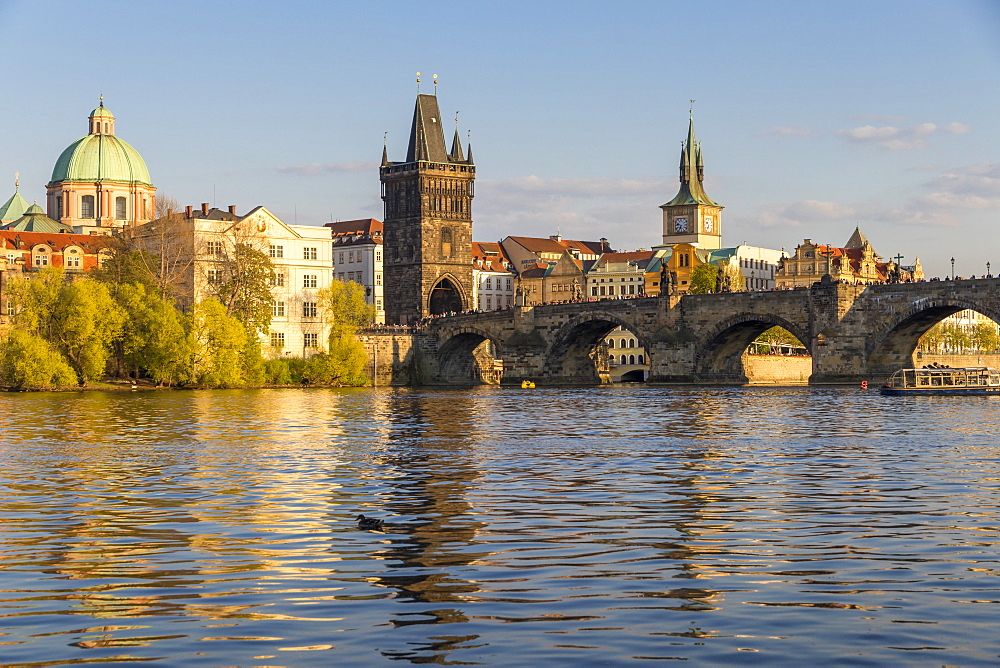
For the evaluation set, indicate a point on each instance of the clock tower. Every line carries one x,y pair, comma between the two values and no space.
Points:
691,216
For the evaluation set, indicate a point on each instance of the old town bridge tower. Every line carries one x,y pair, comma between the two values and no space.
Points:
427,238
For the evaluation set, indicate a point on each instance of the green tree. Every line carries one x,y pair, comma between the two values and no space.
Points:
85,323
154,338
80,318
346,311
345,308
245,290
29,362
703,279
223,353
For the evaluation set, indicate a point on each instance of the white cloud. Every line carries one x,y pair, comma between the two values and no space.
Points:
895,138
977,180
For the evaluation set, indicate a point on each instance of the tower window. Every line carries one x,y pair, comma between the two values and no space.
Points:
87,206
446,241
120,208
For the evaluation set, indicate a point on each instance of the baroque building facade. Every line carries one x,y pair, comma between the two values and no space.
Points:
427,238
357,256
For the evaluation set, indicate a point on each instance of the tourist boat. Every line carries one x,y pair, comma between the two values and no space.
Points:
943,380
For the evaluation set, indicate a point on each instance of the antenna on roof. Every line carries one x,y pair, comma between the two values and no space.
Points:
418,83
435,84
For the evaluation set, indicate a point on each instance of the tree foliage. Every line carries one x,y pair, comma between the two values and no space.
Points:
224,353
29,362
345,308
245,290
703,279
80,319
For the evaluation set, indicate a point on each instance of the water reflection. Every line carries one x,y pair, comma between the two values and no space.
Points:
611,525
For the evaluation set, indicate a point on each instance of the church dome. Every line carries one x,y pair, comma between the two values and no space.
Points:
101,156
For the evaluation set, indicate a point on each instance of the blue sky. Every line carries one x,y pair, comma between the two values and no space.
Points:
814,117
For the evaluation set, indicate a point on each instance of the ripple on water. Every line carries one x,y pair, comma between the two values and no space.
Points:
717,525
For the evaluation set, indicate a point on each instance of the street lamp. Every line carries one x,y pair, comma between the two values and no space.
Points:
953,269
988,270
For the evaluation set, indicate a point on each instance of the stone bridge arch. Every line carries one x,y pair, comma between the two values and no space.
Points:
719,357
466,356
891,346
573,357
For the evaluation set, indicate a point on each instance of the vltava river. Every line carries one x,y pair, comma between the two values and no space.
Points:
562,526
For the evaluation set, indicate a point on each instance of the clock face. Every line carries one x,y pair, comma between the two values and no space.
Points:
709,223
680,224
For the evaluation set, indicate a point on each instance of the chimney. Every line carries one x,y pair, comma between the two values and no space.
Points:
232,209
187,211
204,208
556,237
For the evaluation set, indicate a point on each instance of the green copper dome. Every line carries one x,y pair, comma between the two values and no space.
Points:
101,158
101,111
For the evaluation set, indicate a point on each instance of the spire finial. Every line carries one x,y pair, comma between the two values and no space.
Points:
435,84
691,108
418,83
17,180
101,98
385,139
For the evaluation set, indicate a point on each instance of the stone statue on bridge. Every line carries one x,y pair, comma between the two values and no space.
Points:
668,282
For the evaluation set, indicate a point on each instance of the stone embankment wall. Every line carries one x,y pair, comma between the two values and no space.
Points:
777,369
923,359
394,358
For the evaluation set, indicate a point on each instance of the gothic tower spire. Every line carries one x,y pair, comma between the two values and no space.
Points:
427,237
692,216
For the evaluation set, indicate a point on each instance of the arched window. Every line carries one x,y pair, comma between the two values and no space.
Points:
631,359
40,256
120,207
611,343
631,343
87,206
641,361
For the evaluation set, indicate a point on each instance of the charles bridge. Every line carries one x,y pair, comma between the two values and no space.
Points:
853,333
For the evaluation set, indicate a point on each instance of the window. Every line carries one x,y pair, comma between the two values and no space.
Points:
593,291
611,343
350,256
640,359
310,340
508,283
378,304
341,256
72,258
276,251
277,339
489,283
309,253
214,248
87,206
277,280
378,279
308,309
40,258
631,359
214,276
278,309
309,280
120,213
489,303
378,256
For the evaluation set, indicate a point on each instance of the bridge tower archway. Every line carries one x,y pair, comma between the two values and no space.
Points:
721,358
578,355
469,357
894,345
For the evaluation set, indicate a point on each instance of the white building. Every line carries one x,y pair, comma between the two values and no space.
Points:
357,256
629,362
198,245
492,280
